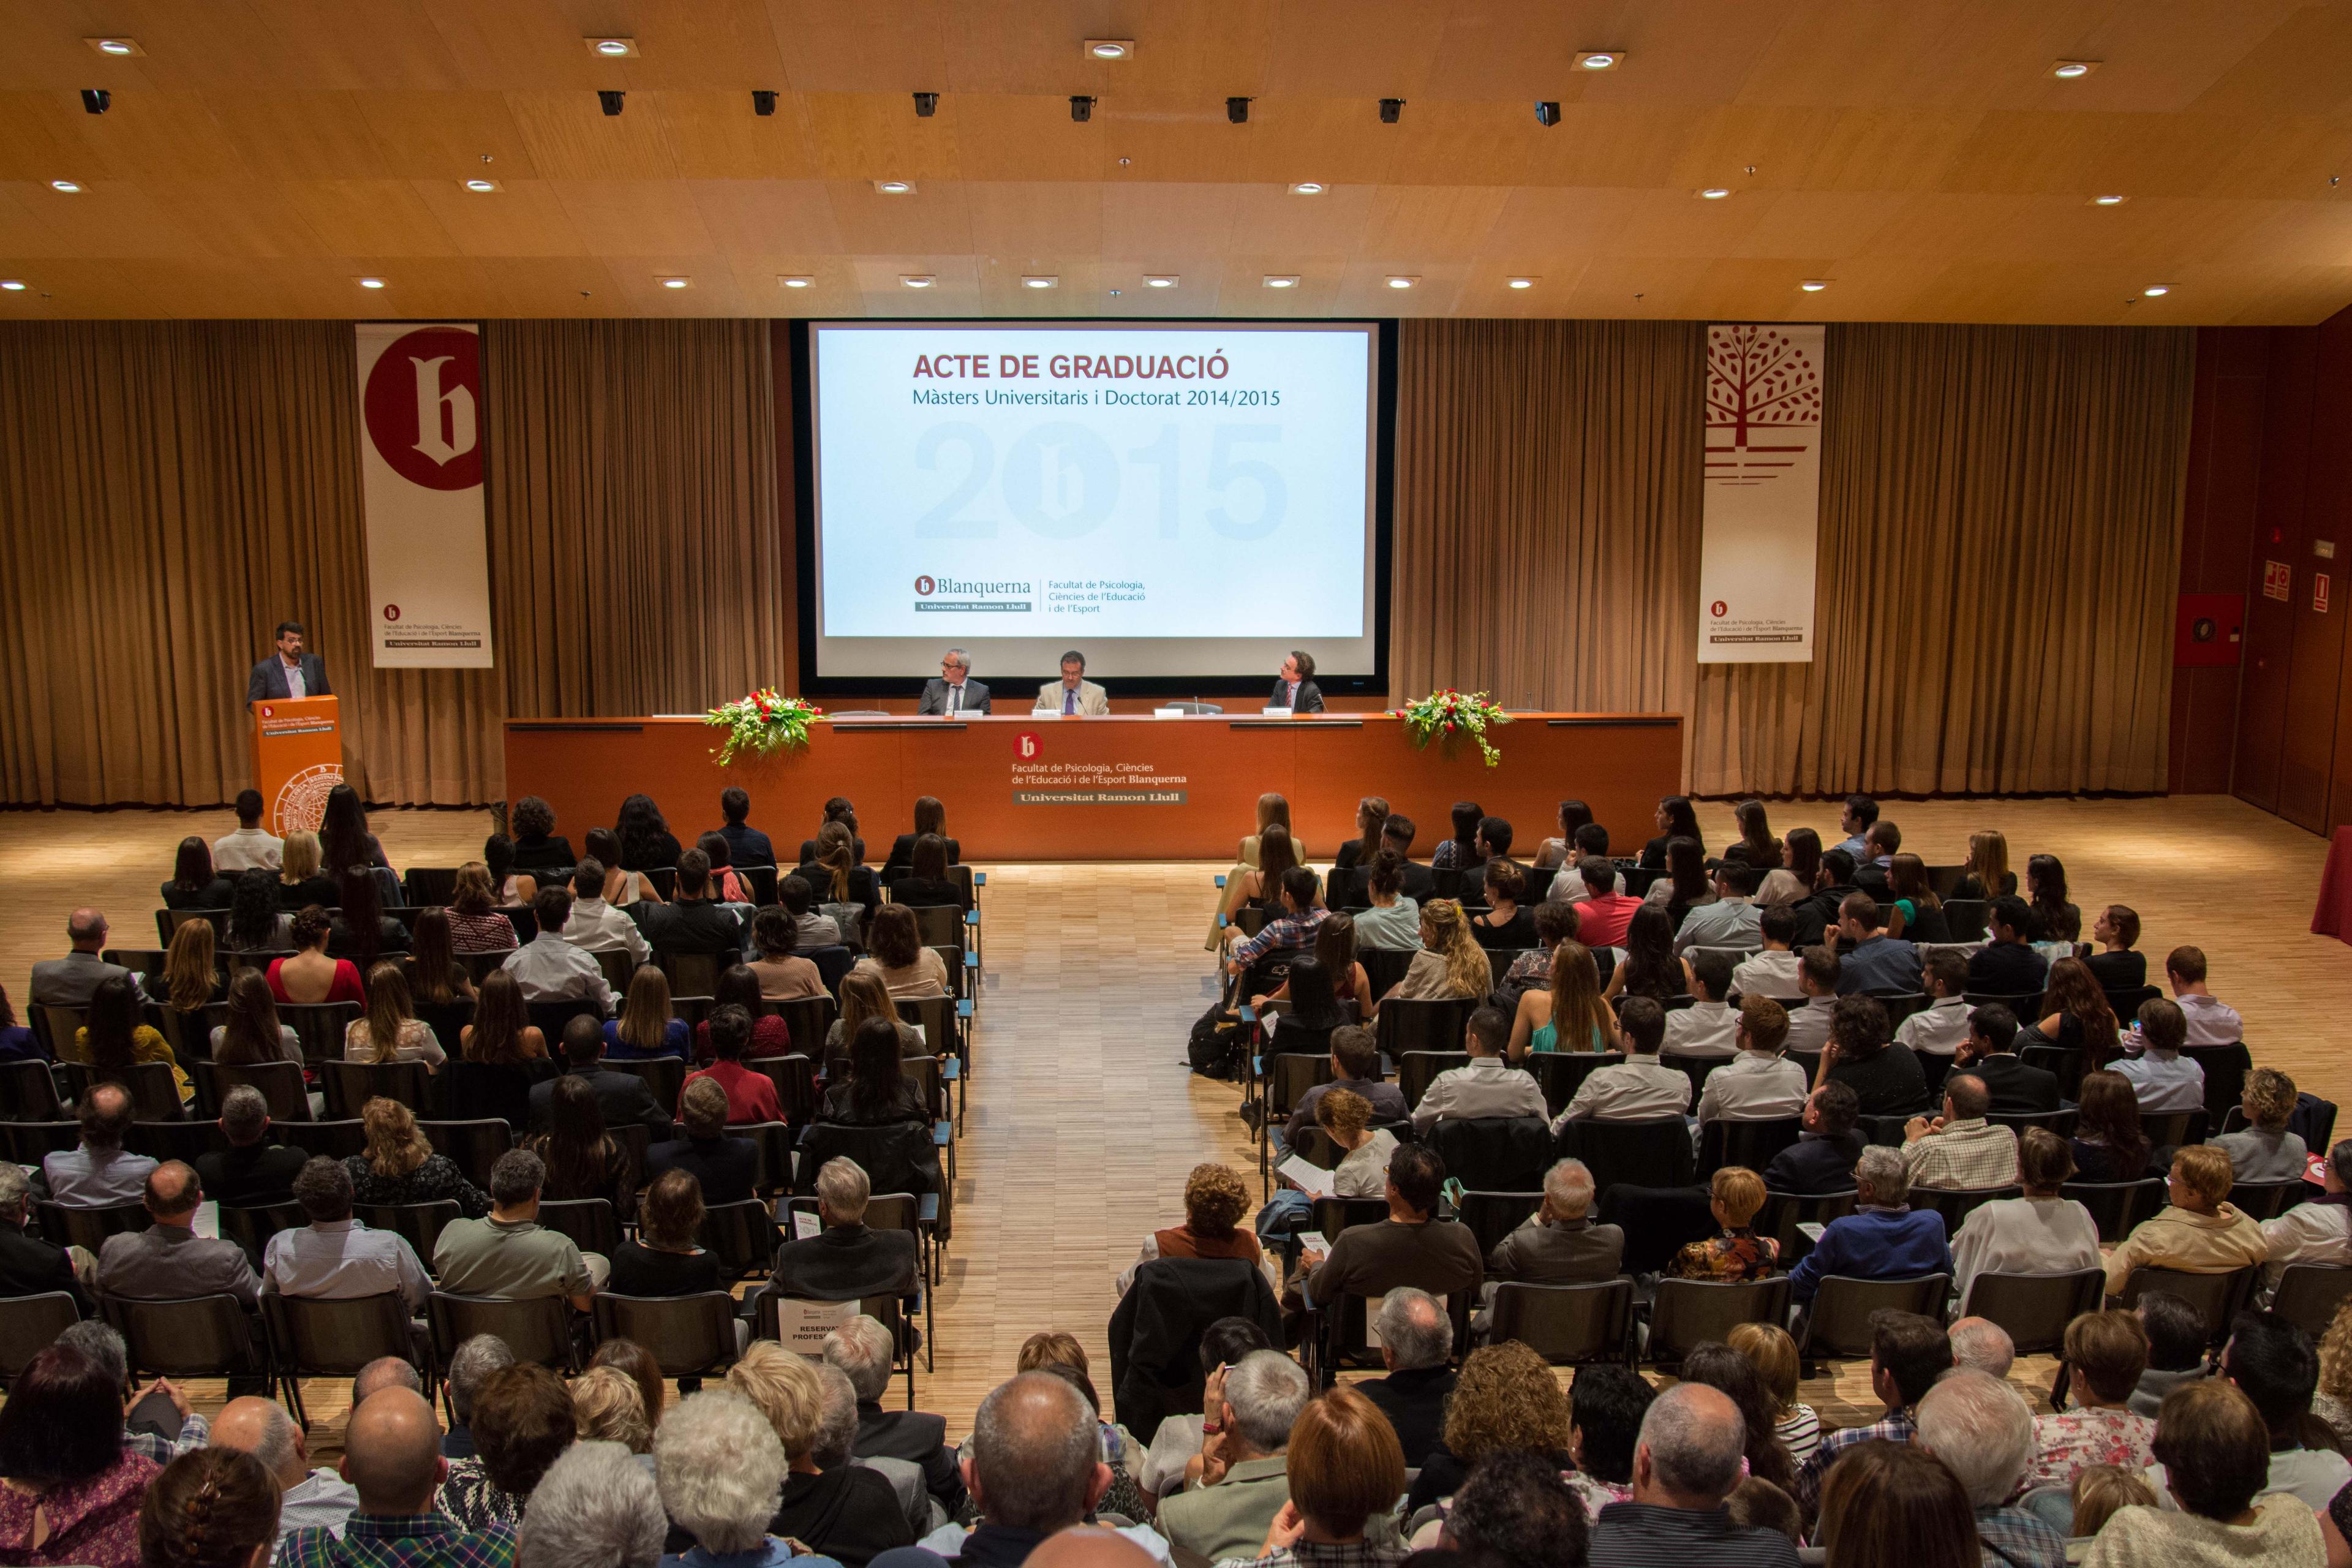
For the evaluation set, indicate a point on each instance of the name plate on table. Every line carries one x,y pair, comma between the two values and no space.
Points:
1277,712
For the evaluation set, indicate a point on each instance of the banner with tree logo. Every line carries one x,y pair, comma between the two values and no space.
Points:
1763,494
421,466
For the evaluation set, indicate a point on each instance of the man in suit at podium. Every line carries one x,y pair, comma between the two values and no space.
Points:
1074,693
954,691
1295,688
290,672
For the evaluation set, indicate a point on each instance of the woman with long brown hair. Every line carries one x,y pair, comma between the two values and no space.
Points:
1569,1014
1371,815
582,1161
1916,913
1757,845
1559,854
194,884
2108,1145
864,996
1335,949
898,957
114,1037
1891,1505
362,931
926,883
2075,1015
502,1032
399,1166
1685,885
877,1091
930,820
621,887
1272,811
782,975
648,1026
253,1036
390,1031
437,976
835,872
1650,967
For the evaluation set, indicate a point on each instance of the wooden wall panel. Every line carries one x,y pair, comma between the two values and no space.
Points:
2217,541
2278,536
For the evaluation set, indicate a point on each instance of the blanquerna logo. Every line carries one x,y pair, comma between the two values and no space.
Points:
925,586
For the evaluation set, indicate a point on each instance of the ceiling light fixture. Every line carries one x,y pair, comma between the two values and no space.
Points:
1402,282
895,188
674,282
1392,111
12,285
1109,48
1281,280
1041,281
1601,60
2072,71
1307,188
1237,110
2108,201
1714,193
480,188
1814,285
916,279
926,105
1081,108
370,282
794,280
115,48
613,48
1546,111
2157,290
71,187
610,101
1521,282
1160,279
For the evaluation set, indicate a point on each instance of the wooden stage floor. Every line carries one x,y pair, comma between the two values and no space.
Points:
1083,1120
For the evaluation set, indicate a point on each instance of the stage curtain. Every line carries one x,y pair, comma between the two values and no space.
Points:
2000,519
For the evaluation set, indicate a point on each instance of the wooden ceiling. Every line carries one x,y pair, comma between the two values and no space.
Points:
261,155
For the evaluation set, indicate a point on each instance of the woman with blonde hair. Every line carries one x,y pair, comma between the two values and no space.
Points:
2263,1149
647,1026
191,971
475,923
390,1030
1451,964
1988,875
1272,811
835,873
399,1166
1738,1253
1775,1355
606,1407
1570,1008
299,881
864,996
2333,1403
848,1513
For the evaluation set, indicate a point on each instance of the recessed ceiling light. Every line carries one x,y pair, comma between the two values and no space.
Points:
1402,282
794,280
1521,282
895,188
71,187
2072,71
1814,285
370,282
1714,193
916,279
613,48
2157,290
2108,201
1282,280
674,282
1601,60
1039,281
481,186
12,285
1110,48
1160,279
1307,188
115,48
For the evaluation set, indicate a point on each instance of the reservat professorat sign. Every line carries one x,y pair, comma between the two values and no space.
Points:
1763,486
421,471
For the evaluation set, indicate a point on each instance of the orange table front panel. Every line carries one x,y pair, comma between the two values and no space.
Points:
1126,787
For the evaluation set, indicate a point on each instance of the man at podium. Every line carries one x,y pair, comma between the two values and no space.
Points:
291,673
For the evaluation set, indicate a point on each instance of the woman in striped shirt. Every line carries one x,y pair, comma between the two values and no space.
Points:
475,923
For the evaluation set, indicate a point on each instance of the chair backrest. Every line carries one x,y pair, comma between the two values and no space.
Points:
1694,1068
664,1077
2308,1295
1563,1073
590,1222
689,1336
52,1025
30,1325
1956,1204
1565,1324
419,1224
281,1084
88,1227
1784,1212
692,973
2225,1069
251,1229
184,1141
808,1017
740,1236
1332,1215
1494,1154
2217,1298
1384,967
351,1085
154,1092
794,1077
320,1025
28,1092
1492,1216
1754,1144
472,1146
619,968
536,1330
1654,1152
1884,1130
935,1016
2065,1061
549,1018
2118,1207
773,1141
1965,918
1417,1069
338,1140
202,1336
448,1020
2035,1308
426,885
939,925
2061,1122
1424,1026
2171,1129
1294,1073
335,1337
1839,1325
2265,1199
27,1142
1689,1312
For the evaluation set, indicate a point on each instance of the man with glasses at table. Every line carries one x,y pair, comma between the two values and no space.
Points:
953,692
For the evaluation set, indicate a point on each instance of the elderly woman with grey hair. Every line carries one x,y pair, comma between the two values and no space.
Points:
595,1508
720,1470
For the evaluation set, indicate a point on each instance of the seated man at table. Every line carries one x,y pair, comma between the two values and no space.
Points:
1884,1238
1822,1158
1074,693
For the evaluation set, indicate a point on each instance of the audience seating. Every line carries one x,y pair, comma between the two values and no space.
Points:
690,973
198,1336
1423,1026
1956,1204
1694,1068
2308,1295
1332,1215
618,968
884,1309
251,1229
1647,1153
664,1076
689,1336
448,1020
2117,1207
320,1026
794,1077
536,1331
1333,1339
281,1084
26,1141
1566,1324
473,1146
1966,918
551,1018
419,1224
2217,1298
28,1092
2061,1122
1686,1313
154,1093
320,1338
740,1236
2064,1061
1417,1069
1837,1325
2172,1129
1783,1212
1492,1216
1754,1144
590,1222
183,1141
88,1227
2034,1308
351,1085
28,1324
1563,1073
1494,1154
2225,1069
2268,1200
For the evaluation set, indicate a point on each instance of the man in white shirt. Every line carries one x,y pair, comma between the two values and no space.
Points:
2209,1023
248,847
1566,886
1708,1027
1733,920
1759,1084
308,1498
1487,1087
335,1257
1817,983
1939,1027
596,926
1773,972
548,968
2318,1232
2161,1078
1642,1090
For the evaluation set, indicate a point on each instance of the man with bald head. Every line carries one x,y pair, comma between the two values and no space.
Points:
99,1173
1033,1466
169,1261
308,1498
392,1456
68,982
384,1372
1090,1546
1685,1463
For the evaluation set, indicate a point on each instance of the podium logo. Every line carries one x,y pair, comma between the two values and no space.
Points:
1718,609
925,586
421,408
268,711
1027,745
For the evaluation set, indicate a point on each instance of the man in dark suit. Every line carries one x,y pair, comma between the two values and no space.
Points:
29,1264
1416,1343
1991,1053
726,1167
1295,688
1821,1158
2005,965
252,1172
746,845
1397,834
692,923
953,692
847,1260
861,1348
622,1098
277,675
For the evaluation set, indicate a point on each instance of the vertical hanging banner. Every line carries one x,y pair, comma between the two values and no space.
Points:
1763,494
421,463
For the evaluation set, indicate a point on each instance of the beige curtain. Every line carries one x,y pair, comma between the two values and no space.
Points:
170,491
2000,518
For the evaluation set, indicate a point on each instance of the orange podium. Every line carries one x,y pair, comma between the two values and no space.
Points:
298,757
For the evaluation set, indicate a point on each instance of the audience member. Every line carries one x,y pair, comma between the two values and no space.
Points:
751,1095
254,1171
2205,1022
1708,1027
907,968
308,1498
391,1458
508,1255
2006,966
847,1260
74,1489
1176,1447
1817,912
621,1098
71,981
2106,1354
1884,1238
1907,1354
1772,971
876,1090
1738,1254
1487,1086
2044,1232
649,1026
1411,1246
1891,1505
2100,1490
1036,1470
1606,1404
401,1167
864,1352
1775,1355
720,1471
1941,1027
725,1168
1990,1052
1559,1244
1718,1366
2317,1230
1861,1053
663,1258
29,1265
472,1364
96,1172
1505,1399
384,1372
549,968
1639,1089
1516,1510
2275,1365
522,1420
1392,922
114,1038
1731,919
1686,1463
1817,981
1982,1345
1758,1084
2200,1233
168,1261
595,925
1822,1158
2108,1145
1565,1013
251,845
1980,1428
2177,1337
1345,1471
849,1513
1603,912
597,1507
502,1034
1961,1150
1875,960
1355,1067
2212,1449
2265,1150
335,1257
2161,1079
1417,1348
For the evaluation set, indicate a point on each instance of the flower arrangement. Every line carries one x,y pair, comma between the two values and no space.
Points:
763,721
1445,716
